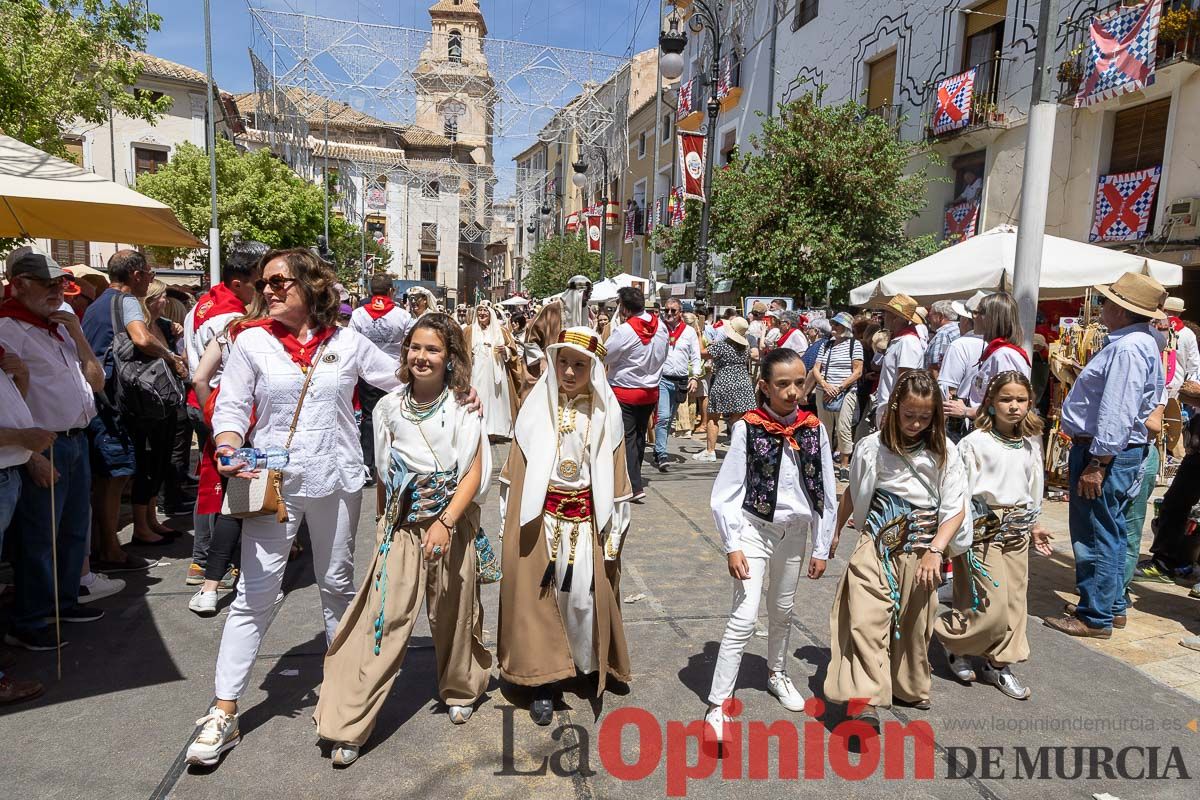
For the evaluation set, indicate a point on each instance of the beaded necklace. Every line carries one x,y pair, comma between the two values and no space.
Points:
1011,444
419,412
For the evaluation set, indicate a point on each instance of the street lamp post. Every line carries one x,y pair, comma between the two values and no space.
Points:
580,180
706,15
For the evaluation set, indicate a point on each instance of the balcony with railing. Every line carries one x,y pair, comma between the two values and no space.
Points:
1178,42
696,91
966,102
890,114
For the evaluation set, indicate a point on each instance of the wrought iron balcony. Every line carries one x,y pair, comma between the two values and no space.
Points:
1178,41
966,110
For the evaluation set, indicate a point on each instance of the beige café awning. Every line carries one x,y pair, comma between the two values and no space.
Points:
45,197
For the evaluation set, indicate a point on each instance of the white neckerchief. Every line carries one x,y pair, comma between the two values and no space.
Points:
536,432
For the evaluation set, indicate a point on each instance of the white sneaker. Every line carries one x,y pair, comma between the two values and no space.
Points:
101,586
204,603
219,732
780,685
715,719
705,455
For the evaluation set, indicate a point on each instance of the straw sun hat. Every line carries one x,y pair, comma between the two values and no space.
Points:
1138,293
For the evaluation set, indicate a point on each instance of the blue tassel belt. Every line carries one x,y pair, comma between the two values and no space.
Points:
897,527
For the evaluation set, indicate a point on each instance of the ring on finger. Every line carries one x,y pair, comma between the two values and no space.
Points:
437,549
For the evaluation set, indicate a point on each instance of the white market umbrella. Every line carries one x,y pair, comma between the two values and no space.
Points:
986,261
514,301
45,197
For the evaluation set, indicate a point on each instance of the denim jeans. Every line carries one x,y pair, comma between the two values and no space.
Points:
1136,518
10,492
668,404
32,556
1098,534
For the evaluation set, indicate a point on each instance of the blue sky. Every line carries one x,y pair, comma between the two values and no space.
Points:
601,25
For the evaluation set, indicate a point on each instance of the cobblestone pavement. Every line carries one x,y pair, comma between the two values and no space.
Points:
134,683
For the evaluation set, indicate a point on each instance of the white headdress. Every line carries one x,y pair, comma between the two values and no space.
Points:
574,309
536,429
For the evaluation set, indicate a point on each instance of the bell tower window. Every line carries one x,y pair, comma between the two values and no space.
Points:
454,47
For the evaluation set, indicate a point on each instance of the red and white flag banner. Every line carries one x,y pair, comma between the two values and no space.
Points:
693,148
1124,203
593,231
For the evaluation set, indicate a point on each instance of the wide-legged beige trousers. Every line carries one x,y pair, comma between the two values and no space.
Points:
357,681
867,663
997,628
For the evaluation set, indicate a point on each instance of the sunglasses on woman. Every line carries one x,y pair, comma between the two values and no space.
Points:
278,284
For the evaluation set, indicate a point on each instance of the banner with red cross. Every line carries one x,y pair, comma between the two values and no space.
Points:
1120,53
693,147
1123,205
593,230
685,100
954,98
962,221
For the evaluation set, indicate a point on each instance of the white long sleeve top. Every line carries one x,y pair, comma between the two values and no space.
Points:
387,333
683,357
980,375
260,378
1002,476
792,507
631,364
958,363
876,467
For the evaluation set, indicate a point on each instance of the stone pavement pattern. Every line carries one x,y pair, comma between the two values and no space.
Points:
134,683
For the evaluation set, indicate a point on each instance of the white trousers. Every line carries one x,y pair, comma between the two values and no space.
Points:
784,567
332,521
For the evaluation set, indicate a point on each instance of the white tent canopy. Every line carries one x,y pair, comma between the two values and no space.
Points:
606,289
45,197
986,262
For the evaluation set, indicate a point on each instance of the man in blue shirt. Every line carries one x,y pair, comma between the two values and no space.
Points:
1105,414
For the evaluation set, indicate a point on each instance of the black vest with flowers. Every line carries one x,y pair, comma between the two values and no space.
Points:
764,451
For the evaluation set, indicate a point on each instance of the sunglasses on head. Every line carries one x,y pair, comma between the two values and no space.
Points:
278,283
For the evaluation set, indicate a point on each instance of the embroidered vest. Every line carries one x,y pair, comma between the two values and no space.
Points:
763,454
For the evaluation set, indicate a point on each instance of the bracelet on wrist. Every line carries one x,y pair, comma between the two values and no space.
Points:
442,518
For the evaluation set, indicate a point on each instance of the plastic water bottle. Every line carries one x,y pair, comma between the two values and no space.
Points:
253,458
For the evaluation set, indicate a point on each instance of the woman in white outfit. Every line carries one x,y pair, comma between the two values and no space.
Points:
492,350
268,364
998,321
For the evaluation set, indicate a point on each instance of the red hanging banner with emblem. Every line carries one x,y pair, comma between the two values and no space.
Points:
693,148
593,231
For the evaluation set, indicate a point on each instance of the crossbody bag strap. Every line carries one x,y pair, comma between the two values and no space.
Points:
304,392
935,496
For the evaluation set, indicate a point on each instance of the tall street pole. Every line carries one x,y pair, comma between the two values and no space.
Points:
711,18
657,143
210,136
604,214
1035,182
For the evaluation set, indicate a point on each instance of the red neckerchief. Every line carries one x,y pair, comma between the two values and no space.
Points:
911,330
1176,323
673,336
999,344
301,354
14,309
219,300
379,305
783,339
761,418
718,324
645,330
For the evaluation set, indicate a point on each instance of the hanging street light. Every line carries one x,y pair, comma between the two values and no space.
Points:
672,43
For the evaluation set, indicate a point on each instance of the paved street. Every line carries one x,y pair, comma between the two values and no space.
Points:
134,683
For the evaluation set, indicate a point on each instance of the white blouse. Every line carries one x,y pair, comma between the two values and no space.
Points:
876,467
1003,476
261,379
450,439
792,507
1003,360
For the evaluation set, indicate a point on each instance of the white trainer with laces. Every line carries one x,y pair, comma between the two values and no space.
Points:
204,603
780,685
705,456
101,586
218,733
715,721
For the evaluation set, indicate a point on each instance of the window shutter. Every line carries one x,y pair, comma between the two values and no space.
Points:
1139,137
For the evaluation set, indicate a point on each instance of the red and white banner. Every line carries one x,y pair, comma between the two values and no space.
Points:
1123,205
693,147
572,222
675,207
685,100
631,212
1121,51
593,231
955,96
962,221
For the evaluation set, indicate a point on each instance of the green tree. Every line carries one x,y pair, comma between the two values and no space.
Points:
68,60
557,259
825,198
678,245
346,242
